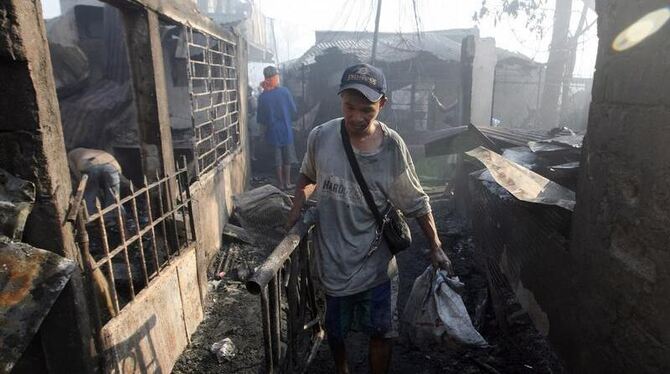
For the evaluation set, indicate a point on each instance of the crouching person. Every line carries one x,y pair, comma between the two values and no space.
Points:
104,178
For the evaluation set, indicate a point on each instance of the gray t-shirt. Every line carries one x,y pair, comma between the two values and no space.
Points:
346,226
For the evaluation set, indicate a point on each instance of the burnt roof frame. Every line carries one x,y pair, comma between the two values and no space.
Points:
179,11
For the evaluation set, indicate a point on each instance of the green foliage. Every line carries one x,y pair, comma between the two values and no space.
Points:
534,12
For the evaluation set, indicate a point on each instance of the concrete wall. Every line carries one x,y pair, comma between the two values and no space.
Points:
478,61
32,148
154,328
151,331
621,228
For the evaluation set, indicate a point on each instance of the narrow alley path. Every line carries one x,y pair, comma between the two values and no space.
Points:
234,313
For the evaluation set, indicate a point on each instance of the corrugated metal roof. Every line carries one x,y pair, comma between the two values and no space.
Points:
464,138
394,47
390,48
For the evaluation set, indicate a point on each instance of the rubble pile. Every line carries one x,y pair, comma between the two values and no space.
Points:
517,192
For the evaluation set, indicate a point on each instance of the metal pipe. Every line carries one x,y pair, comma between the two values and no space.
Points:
311,292
105,248
181,204
187,190
86,255
122,232
315,347
275,328
76,201
163,226
139,230
276,260
304,280
311,323
293,313
154,241
267,336
172,214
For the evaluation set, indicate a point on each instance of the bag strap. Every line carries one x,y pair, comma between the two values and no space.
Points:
359,176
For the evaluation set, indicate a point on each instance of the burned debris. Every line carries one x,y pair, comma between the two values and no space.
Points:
154,93
141,231
30,278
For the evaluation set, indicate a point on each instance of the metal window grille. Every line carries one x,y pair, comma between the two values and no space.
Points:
125,245
291,311
213,89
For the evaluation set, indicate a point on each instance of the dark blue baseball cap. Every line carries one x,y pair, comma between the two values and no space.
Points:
270,71
366,79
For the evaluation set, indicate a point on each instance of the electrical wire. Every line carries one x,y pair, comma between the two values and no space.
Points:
339,18
417,20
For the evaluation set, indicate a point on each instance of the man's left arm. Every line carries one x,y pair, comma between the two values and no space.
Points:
437,255
407,193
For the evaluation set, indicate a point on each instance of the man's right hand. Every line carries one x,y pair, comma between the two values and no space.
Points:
440,260
303,189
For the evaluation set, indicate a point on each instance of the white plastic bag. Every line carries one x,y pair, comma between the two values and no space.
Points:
224,350
435,312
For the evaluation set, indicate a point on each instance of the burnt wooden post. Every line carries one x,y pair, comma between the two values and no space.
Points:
242,77
32,148
148,76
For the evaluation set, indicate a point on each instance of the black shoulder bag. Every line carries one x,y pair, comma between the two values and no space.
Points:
391,224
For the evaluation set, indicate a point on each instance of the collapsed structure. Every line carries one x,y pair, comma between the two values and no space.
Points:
161,87
580,237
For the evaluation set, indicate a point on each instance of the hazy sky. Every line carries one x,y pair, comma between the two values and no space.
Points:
296,21
298,17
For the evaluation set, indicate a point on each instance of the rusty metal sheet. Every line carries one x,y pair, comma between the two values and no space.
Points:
523,183
560,143
453,140
464,138
30,281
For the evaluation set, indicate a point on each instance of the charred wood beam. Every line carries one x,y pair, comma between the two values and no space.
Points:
184,12
146,62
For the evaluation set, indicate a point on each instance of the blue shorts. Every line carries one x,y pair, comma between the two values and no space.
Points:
370,311
285,155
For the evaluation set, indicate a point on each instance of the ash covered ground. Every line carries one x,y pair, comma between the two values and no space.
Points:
232,312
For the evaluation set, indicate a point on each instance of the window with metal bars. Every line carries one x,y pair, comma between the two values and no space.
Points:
213,89
127,244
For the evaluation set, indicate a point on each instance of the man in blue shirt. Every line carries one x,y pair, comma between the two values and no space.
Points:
275,112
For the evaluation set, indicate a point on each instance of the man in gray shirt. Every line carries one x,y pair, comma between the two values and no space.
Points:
356,279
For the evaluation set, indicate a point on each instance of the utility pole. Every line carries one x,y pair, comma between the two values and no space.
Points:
376,34
556,64
274,41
